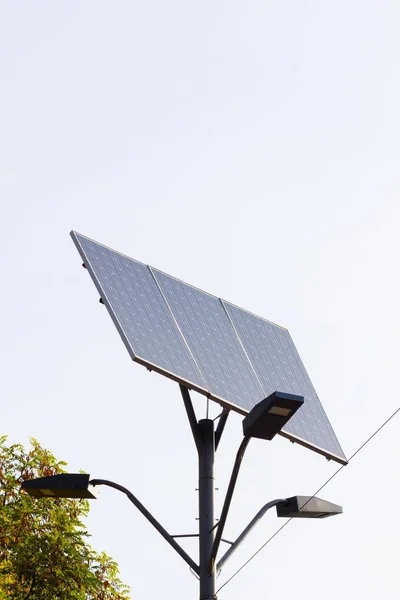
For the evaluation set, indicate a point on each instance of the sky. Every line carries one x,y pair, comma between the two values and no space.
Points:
251,149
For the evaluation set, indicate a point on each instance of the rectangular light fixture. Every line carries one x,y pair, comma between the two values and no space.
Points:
269,416
62,485
307,507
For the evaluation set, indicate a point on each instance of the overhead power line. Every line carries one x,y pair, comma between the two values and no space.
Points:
315,493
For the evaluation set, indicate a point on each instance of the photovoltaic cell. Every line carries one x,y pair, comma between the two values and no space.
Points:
279,367
206,343
138,309
213,342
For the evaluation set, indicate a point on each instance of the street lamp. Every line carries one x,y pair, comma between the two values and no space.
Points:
264,421
63,485
308,507
270,415
78,485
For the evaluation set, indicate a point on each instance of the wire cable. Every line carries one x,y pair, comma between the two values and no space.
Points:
315,493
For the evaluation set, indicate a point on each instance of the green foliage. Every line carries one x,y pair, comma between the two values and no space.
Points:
44,554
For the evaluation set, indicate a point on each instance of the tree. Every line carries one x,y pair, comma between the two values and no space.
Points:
44,554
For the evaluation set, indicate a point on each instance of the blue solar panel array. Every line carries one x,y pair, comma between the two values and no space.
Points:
209,344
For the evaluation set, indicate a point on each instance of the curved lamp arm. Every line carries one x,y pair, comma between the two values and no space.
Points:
228,498
150,518
247,530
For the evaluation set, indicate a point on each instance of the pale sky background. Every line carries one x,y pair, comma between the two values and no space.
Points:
248,148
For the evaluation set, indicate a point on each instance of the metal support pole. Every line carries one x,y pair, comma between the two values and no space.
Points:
206,509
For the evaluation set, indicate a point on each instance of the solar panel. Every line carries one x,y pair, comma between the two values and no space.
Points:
278,366
208,344
213,341
139,312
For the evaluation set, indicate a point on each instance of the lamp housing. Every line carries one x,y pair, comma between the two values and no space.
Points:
63,485
270,415
307,507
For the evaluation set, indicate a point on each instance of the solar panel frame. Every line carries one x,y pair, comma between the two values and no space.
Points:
206,388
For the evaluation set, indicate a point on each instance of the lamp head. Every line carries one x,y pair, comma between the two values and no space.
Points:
270,415
307,507
63,485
